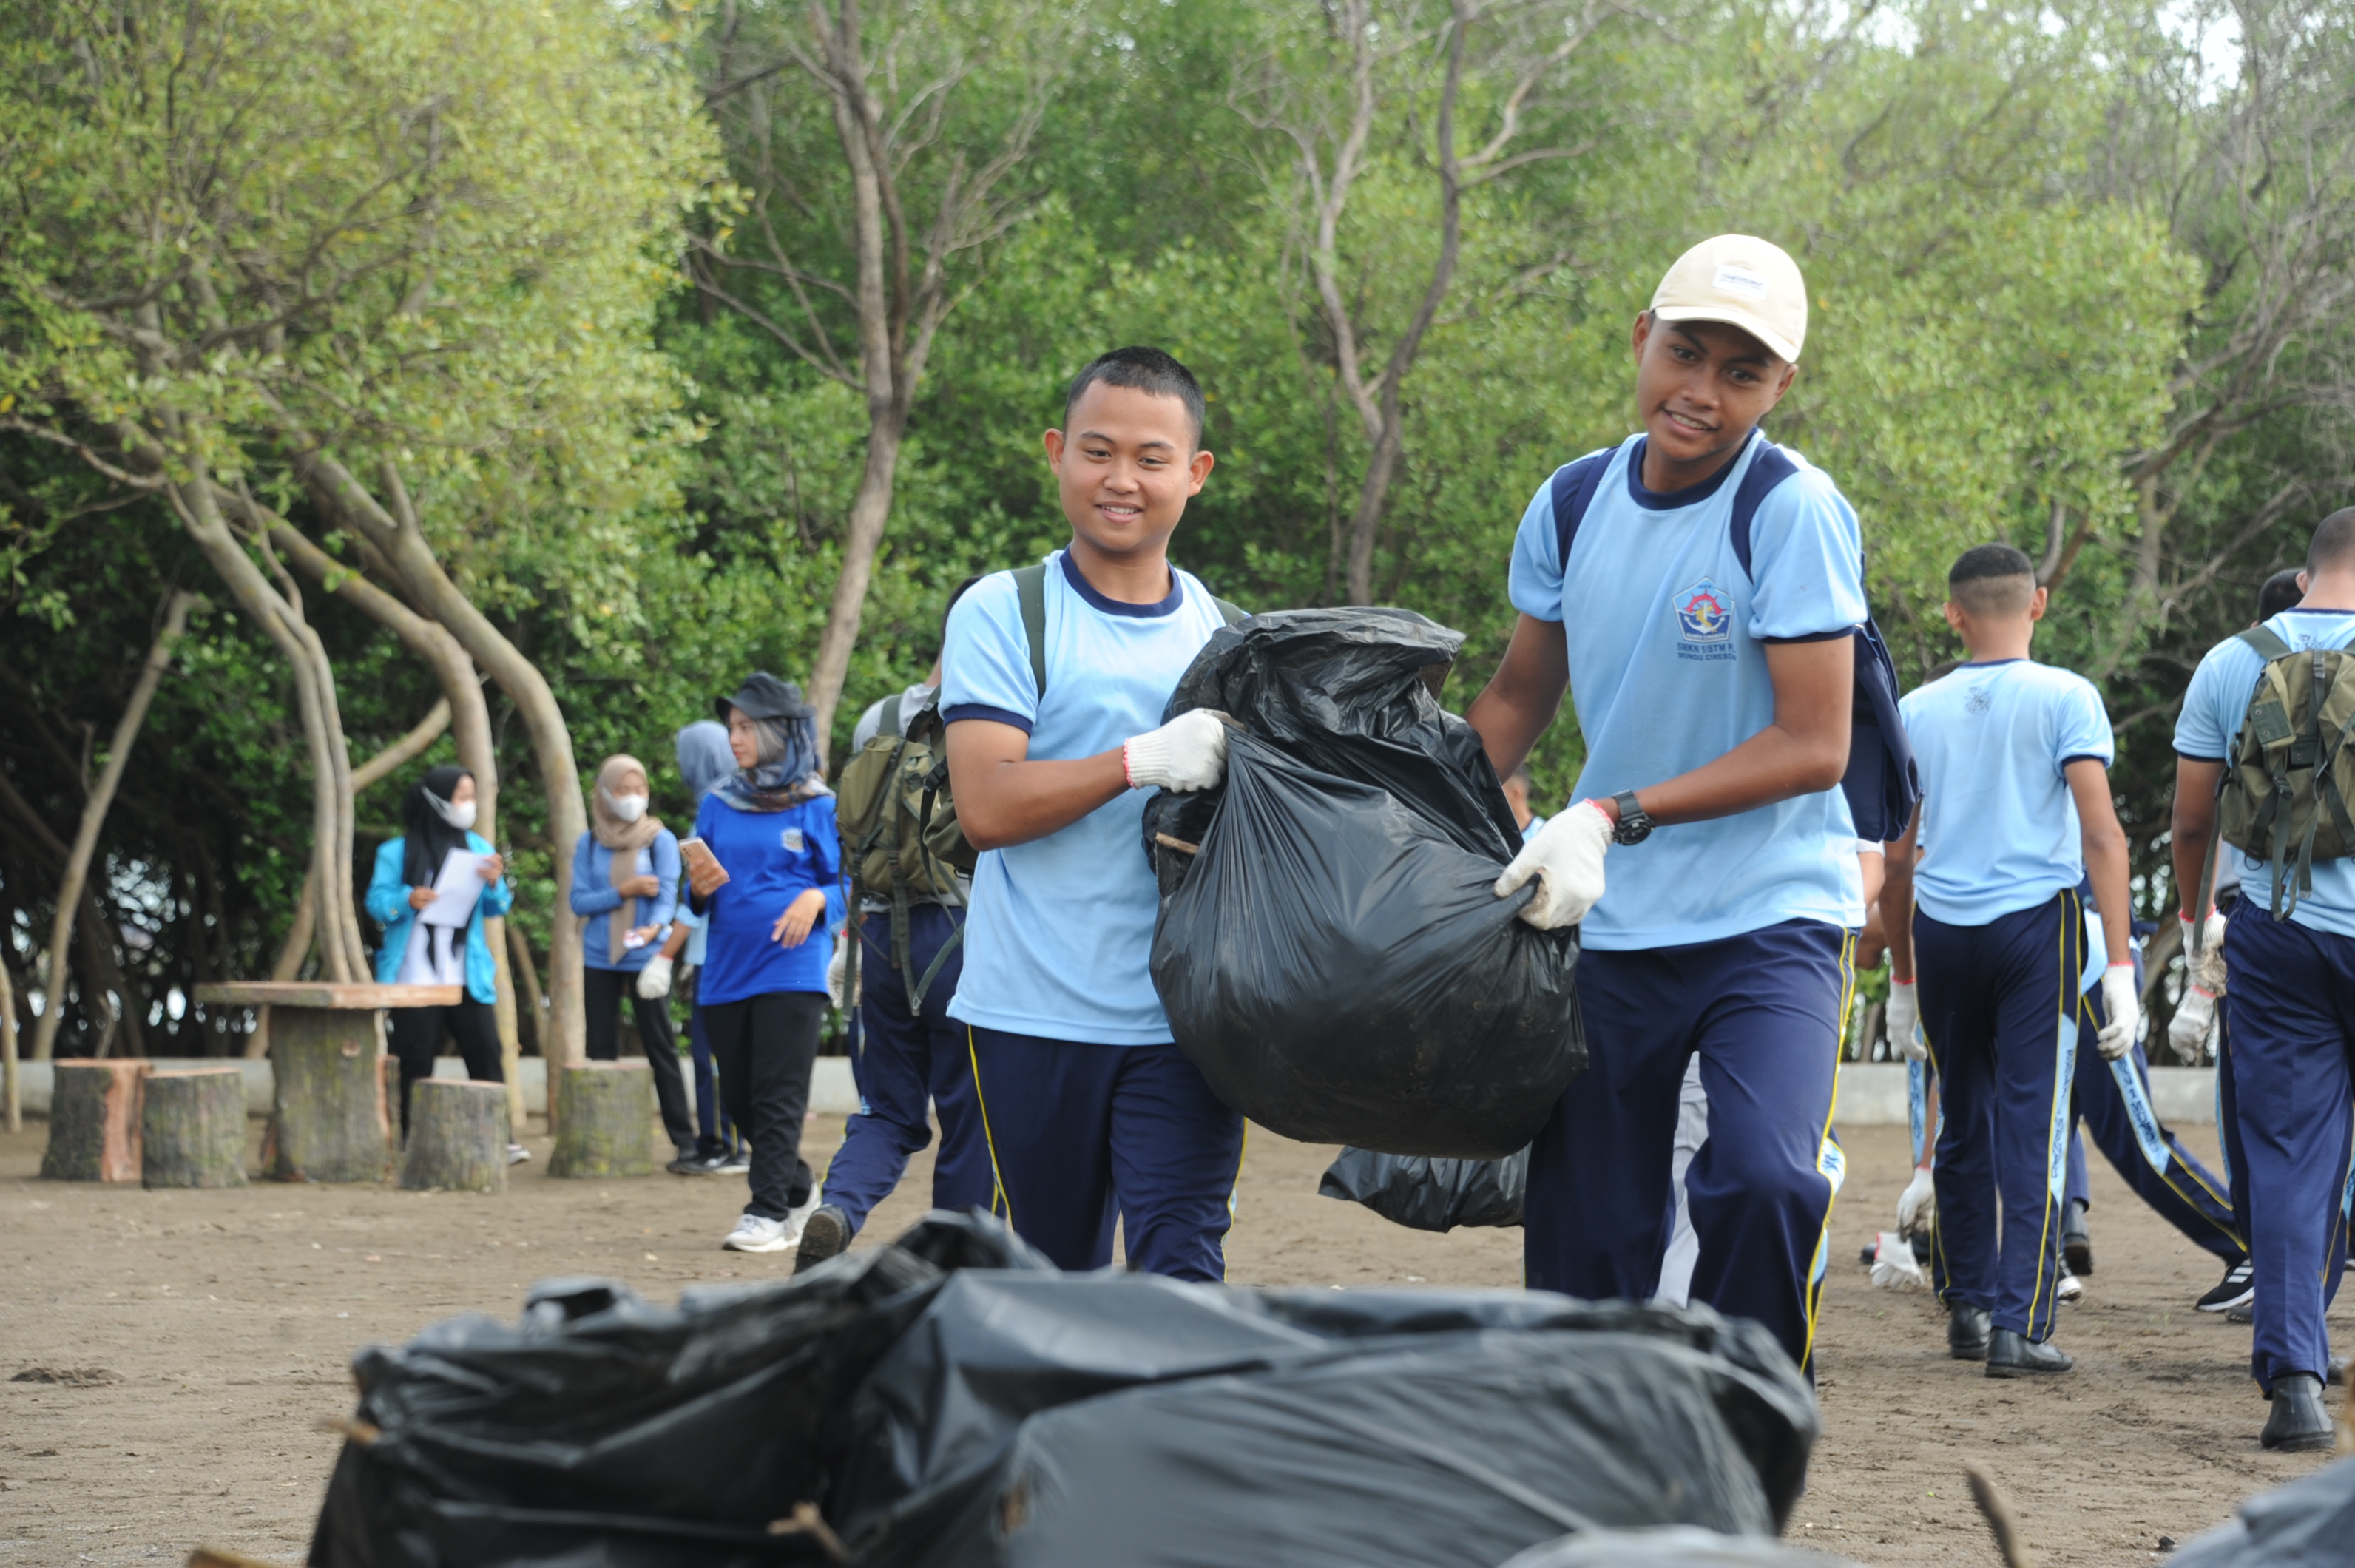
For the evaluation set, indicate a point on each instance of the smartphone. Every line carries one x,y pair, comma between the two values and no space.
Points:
698,855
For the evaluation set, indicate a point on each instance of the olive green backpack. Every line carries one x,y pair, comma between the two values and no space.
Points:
2283,796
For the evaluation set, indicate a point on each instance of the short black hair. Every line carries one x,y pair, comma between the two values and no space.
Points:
1147,371
1984,579
2334,543
2280,592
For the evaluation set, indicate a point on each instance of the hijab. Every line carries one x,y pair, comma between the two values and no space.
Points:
605,822
704,759
785,771
427,835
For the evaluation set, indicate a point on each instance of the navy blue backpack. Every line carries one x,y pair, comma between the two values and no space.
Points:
1883,785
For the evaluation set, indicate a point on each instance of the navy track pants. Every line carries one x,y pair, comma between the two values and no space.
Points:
2001,1010
905,1063
2113,1100
1079,1135
1764,1012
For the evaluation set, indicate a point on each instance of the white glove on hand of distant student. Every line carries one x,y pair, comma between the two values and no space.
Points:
1189,752
1917,1208
837,971
2194,1017
654,980
1903,1016
1566,857
2208,965
2122,1004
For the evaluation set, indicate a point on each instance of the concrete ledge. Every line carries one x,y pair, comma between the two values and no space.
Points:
1872,1095
832,1093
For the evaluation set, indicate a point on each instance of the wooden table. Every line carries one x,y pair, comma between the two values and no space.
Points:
329,1120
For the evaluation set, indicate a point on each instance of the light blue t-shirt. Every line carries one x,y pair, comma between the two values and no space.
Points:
1060,939
2212,711
1998,827
1667,637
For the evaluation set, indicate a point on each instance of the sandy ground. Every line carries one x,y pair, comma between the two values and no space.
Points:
220,1323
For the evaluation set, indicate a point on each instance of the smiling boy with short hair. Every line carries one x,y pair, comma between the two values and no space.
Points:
1089,1109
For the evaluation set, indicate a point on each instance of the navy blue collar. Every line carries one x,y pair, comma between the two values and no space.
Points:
2301,609
1990,664
1095,599
1653,500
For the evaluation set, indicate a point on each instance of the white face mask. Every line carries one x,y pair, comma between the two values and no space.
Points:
629,807
460,815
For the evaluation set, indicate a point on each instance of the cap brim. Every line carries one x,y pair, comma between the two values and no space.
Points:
1731,315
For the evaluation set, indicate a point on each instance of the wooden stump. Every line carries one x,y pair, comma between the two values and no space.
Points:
605,1120
193,1127
327,1120
457,1136
94,1122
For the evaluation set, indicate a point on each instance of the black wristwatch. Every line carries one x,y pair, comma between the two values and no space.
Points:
1635,823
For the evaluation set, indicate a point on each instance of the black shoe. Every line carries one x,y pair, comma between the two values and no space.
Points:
2338,1378
823,1235
1872,1254
1966,1333
691,1163
2012,1355
2238,1289
2076,1242
2299,1424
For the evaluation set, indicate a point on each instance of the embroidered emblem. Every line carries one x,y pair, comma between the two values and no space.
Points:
1704,621
793,838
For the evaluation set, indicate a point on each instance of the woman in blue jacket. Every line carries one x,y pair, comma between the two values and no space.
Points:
436,817
775,890
625,888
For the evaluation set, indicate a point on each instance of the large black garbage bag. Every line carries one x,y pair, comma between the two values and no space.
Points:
1671,1546
1425,1194
1089,1420
601,1429
2309,1523
1334,958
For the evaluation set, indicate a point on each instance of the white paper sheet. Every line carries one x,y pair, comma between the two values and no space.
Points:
455,891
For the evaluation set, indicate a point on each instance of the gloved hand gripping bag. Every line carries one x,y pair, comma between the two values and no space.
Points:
1334,959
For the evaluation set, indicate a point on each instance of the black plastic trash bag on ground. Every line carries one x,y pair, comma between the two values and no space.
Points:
1073,1422
2305,1524
1425,1194
1334,958
1673,1546
949,1400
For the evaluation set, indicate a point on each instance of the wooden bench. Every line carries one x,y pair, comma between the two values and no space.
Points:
457,1136
193,1127
329,1120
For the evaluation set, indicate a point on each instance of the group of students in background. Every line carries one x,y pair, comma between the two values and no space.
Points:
1697,591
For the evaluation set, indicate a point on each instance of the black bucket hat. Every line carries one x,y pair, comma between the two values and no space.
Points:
763,696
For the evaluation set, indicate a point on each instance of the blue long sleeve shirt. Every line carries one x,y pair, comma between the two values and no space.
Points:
387,904
772,857
593,875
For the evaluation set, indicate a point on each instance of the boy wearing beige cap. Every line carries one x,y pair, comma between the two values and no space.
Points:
1697,589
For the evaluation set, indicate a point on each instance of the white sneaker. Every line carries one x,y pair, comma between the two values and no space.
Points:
517,1154
754,1234
797,1220
2070,1288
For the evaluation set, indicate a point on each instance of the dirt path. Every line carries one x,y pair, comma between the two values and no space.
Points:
223,1321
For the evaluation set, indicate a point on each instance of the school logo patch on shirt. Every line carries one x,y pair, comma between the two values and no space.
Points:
793,839
1978,702
1704,623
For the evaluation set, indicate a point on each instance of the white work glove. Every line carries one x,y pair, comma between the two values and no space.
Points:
2194,1017
2208,967
1566,857
1903,1015
2122,1004
654,980
1917,1207
837,971
1189,752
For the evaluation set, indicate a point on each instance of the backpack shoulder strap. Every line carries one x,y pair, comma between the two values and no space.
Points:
1030,593
1573,489
2266,641
887,723
1769,469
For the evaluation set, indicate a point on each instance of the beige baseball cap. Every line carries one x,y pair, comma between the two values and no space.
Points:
1742,282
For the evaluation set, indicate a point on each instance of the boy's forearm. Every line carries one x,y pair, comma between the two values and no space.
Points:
1524,695
2192,824
1803,752
1006,799
1897,916
2104,844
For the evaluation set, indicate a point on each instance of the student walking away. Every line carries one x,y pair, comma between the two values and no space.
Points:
2261,772
433,923
1054,680
1518,786
1698,590
769,880
626,889
909,1054
704,763
2016,811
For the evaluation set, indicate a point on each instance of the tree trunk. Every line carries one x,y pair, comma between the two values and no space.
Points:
608,1118
403,543
529,966
192,1128
94,1122
1365,523
328,1121
93,816
10,1089
862,540
457,1138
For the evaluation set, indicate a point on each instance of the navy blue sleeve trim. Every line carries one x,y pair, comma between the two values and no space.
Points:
2085,757
2196,757
982,710
1812,636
